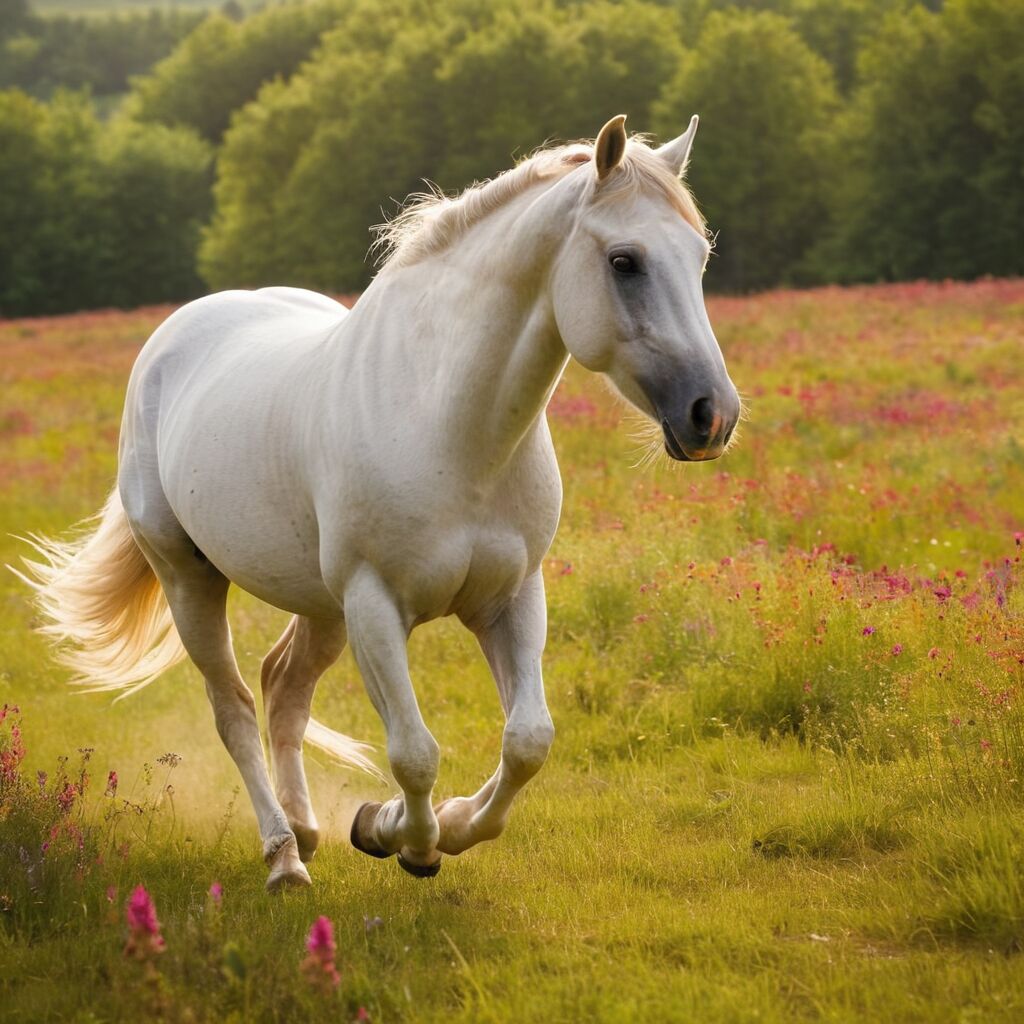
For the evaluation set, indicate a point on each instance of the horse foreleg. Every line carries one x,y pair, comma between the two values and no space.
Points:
405,825
289,674
513,645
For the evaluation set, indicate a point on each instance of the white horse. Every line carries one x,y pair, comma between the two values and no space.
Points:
375,469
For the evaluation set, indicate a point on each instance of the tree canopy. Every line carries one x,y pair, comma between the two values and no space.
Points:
841,140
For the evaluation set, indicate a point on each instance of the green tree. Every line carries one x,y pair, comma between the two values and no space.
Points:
94,214
759,164
392,98
934,149
222,64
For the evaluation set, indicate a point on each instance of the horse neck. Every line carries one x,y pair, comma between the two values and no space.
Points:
484,320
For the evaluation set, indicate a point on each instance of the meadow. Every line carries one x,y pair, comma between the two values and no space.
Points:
788,778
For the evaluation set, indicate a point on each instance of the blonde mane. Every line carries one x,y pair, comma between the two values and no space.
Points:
431,222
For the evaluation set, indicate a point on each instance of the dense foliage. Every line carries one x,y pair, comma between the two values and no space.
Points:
101,54
92,214
842,140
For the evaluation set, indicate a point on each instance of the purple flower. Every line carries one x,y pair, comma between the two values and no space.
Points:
867,631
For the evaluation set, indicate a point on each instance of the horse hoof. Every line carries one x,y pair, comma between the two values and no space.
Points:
420,870
308,839
286,870
361,835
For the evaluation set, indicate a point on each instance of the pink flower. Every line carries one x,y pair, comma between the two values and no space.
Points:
897,650
66,797
216,892
986,744
933,653
319,967
867,631
111,784
145,938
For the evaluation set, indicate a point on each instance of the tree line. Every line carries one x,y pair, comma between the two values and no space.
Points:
841,140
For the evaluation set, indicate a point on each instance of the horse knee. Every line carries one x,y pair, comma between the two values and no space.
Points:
414,761
525,746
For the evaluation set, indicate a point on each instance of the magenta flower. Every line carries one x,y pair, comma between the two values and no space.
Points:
144,939
867,631
897,649
216,892
111,784
319,967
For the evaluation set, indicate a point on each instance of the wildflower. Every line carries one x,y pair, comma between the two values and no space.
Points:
897,650
216,892
985,744
319,967
41,778
933,653
867,631
66,797
144,939
111,789
955,721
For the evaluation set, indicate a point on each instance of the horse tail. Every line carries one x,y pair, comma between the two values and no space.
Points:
102,605
343,748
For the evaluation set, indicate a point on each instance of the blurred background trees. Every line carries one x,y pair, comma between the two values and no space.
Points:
152,155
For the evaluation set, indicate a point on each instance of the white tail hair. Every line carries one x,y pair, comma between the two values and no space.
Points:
103,606
343,748
105,611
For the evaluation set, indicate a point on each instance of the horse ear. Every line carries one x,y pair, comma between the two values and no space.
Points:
677,152
610,146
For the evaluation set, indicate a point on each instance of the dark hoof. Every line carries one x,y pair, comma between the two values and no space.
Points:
419,870
362,834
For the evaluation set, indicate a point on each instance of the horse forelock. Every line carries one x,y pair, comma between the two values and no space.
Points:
430,222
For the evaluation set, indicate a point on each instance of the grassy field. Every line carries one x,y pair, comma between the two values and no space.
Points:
787,783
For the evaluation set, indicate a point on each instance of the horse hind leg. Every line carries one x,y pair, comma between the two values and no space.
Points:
197,596
306,649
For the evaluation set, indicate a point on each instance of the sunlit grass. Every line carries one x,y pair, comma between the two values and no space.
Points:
788,773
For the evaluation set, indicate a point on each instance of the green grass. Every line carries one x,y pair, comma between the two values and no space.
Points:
754,809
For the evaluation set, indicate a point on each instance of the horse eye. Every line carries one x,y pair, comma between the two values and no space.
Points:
624,264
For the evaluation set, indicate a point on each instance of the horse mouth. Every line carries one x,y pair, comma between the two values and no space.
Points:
672,446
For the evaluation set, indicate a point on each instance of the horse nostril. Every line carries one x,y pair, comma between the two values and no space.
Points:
702,416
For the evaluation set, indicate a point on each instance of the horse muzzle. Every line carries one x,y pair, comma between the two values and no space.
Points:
703,430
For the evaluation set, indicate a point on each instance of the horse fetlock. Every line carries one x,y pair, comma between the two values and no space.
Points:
286,869
275,843
463,825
